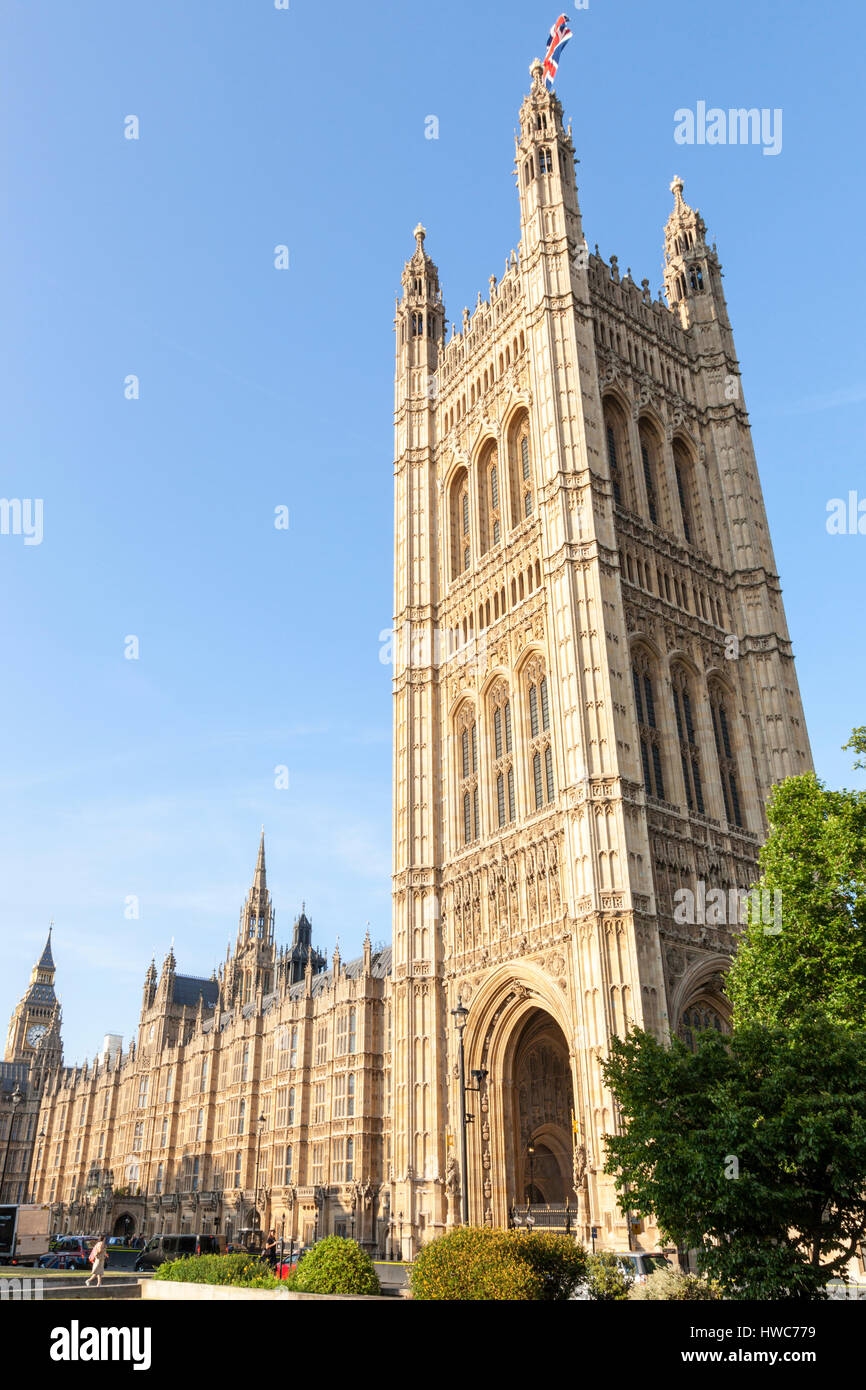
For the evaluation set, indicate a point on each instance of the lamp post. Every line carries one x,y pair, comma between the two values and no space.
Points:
530,1149
35,1161
16,1098
400,1221
460,1015
260,1125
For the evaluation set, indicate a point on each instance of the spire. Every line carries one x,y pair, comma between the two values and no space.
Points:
46,960
544,165
260,883
256,923
692,271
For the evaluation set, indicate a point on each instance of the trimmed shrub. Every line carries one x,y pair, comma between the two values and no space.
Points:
335,1265
558,1259
474,1264
670,1283
243,1270
608,1281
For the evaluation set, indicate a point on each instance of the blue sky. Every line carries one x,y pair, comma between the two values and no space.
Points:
261,388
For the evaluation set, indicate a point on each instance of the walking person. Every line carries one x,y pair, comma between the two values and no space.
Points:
97,1259
271,1248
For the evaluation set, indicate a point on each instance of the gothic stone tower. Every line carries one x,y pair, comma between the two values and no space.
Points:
35,1020
594,692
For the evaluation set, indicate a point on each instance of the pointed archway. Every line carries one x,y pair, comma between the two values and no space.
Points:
524,1142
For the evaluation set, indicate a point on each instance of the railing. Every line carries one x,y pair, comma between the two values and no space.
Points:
552,1216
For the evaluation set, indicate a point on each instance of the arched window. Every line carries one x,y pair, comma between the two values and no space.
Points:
520,463
540,747
725,755
699,1018
350,1094
648,732
502,759
617,450
684,473
460,540
649,455
689,753
467,774
290,1118
490,509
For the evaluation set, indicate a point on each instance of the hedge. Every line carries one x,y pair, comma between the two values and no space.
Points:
475,1264
335,1265
242,1269
671,1284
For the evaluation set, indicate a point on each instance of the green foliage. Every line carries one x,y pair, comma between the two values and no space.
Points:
335,1265
671,1284
241,1270
474,1264
752,1151
857,742
607,1278
557,1259
815,857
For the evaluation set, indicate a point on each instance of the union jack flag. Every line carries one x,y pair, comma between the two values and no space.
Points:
557,39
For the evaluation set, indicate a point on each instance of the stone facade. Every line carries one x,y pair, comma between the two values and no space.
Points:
255,1097
594,692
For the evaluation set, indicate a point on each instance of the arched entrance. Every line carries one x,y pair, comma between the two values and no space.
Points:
542,1116
124,1226
525,1149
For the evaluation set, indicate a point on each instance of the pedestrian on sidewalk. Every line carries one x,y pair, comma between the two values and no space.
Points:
97,1262
271,1248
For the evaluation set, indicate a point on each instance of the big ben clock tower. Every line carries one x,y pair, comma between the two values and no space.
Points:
36,1011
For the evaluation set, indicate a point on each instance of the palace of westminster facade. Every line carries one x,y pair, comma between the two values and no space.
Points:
594,691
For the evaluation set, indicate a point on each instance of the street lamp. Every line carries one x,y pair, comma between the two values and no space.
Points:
460,1015
260,1125
530,1149
37,1155
16,1098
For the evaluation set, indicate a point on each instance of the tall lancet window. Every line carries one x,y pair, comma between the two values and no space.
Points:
490,497
502,755
493,501
719,706
520,469
685,478
690,757
616,443
467,774
648,732
459,524
613,464
541,750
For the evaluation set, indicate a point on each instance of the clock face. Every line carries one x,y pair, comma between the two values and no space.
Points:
34,1033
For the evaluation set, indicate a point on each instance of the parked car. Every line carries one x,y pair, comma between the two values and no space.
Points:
68,1252
174,1247
640,1264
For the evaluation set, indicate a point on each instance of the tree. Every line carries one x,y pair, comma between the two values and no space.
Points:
751,1150
815,858
608,1281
